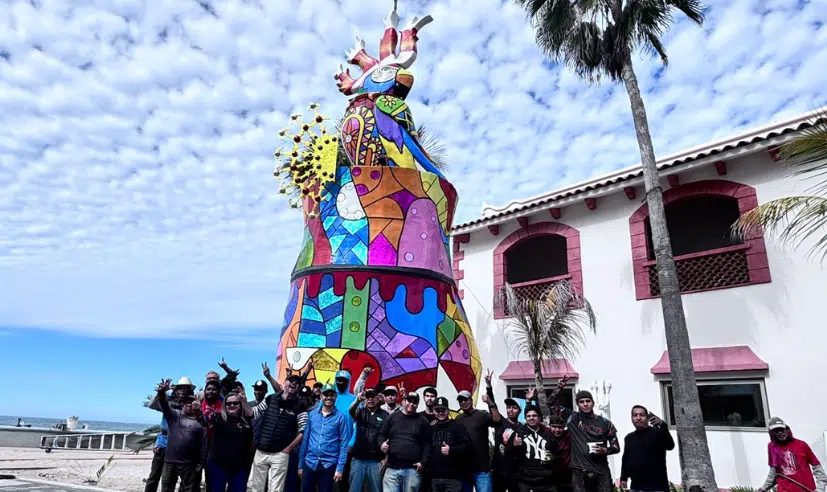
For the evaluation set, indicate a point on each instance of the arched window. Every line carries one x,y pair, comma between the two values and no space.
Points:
533,259
699,216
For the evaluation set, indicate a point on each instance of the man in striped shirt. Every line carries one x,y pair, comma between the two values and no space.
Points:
283,420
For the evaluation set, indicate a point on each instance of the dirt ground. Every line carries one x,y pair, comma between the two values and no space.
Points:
126,473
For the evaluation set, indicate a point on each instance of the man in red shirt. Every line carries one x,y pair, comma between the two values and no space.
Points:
790,462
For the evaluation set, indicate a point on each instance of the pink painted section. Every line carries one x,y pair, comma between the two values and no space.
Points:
551,369
717,359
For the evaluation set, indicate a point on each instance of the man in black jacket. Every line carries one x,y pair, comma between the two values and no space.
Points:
593,439
403,438
477,422
365,468
504,464
448,442
644,453
532,446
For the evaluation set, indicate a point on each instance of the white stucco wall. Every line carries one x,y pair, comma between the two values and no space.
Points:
783,321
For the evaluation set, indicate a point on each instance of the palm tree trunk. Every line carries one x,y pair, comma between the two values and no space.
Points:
541,390
696,464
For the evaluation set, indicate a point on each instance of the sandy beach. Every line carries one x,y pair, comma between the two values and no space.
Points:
126,473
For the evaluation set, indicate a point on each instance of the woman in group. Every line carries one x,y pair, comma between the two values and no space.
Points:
230,446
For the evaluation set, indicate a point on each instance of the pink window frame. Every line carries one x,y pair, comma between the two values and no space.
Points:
759,270
572,236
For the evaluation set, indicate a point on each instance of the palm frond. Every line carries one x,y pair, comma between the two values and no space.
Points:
792,220
433,147
550,326
807,152
595,38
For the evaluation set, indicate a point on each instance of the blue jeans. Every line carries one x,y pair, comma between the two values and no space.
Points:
481,481
401,480
224,481
365,472
320,479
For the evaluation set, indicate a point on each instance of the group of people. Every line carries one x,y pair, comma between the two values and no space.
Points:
324,437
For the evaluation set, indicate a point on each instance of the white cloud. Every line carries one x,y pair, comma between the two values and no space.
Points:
136,195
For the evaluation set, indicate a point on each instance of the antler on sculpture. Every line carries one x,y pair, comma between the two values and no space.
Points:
387,52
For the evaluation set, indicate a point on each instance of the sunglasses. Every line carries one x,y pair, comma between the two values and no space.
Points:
462,400
233,403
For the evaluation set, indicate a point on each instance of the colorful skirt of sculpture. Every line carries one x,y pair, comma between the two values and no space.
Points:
373,285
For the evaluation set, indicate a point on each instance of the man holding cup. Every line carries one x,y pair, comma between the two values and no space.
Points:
593,439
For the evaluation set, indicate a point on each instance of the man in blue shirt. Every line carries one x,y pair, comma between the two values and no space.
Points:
324,447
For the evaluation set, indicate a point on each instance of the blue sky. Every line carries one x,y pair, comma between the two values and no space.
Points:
141,234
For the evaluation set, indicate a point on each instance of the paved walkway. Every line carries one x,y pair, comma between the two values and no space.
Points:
29,485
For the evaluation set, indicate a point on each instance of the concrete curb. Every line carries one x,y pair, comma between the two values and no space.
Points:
64,485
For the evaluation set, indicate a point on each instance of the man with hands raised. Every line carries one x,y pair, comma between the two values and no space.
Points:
187,448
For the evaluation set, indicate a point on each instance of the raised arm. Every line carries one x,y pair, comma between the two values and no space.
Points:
275,384
306,372
769,482
161,396
488,399
360,397
363,380
228,380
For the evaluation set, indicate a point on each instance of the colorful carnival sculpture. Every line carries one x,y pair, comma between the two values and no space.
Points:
373,283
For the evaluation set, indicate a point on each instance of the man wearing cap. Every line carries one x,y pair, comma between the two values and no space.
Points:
283,420
403,438
532,447
593,439
324,449
182,389
391,394
504,466
365,468
644,452
447,444
560,454
477,422
793,465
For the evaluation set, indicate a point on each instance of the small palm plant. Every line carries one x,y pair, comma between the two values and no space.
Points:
549,327
795,219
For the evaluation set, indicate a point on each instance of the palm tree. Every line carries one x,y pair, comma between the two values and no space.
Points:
596,39
549,327
795,219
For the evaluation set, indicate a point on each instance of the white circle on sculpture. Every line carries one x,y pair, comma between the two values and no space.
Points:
409,256
383,74
433,218
423,236
414,211
341,197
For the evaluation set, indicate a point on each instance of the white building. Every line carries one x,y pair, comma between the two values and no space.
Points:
756,313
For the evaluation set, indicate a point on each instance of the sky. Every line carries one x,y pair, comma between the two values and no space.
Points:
141,235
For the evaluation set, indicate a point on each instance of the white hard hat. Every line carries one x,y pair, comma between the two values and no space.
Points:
184,381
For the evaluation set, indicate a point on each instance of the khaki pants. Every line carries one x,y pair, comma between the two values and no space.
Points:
269,469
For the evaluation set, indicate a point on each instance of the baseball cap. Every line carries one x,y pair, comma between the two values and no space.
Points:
293,377
511,402
329,388
464,394
370,392
390,389
441,402
260,384
776,423
412,397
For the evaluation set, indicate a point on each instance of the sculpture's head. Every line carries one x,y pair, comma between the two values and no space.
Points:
388,74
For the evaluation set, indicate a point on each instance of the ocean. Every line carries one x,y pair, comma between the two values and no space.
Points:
91,424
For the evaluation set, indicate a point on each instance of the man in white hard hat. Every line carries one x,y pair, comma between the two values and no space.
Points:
183,388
